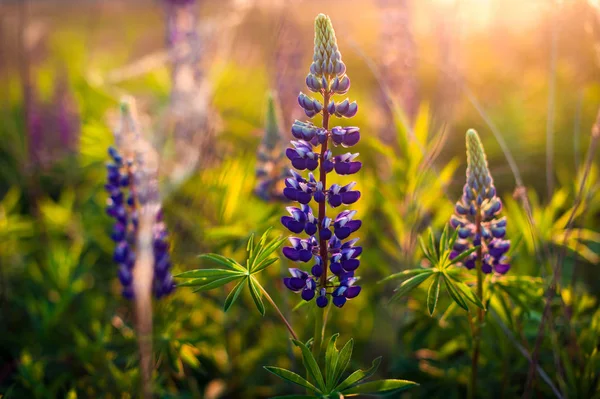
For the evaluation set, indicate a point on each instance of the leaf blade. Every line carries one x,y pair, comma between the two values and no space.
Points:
359,375
311,365
380,386
233,295
433,294
291,377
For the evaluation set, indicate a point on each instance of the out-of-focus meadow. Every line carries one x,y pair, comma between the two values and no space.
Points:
524,74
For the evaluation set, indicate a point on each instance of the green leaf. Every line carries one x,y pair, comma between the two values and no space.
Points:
201,273
291,377
264,265
250,250
426,252
433,293
311,365
380,386
359,375
405,274
233,295
432,247
411,284
266,251
443,240
214,284
454,293
227,262
256,294
453,239
331,361
469,294
343,361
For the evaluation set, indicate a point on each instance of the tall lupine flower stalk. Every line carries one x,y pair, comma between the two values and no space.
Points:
476,220
270,172
128,185
142,249
332,276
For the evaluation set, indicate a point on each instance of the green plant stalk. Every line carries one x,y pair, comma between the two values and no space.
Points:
480,314
279,313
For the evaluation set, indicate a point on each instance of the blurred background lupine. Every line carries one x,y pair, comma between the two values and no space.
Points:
523,74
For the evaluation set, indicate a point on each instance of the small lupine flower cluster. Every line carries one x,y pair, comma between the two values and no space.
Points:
480,205
324,246
126,196
270,172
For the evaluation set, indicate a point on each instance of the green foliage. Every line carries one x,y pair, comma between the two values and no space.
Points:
440,269
328,383
258,260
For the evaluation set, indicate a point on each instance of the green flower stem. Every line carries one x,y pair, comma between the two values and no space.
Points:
279,313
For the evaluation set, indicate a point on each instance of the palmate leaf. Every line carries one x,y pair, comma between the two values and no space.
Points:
257,261
379,387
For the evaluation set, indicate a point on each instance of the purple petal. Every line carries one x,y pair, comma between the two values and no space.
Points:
299,163
336,268
339,301
305,255
335,200
350,264
352,292
291,154
307,294
351,138
325,234
310,229
311,164
350,197
322,301
291,253
303,198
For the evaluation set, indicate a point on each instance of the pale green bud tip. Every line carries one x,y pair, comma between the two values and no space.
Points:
478,175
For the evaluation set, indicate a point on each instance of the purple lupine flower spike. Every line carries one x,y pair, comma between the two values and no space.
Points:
479,204
333,261
128,193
